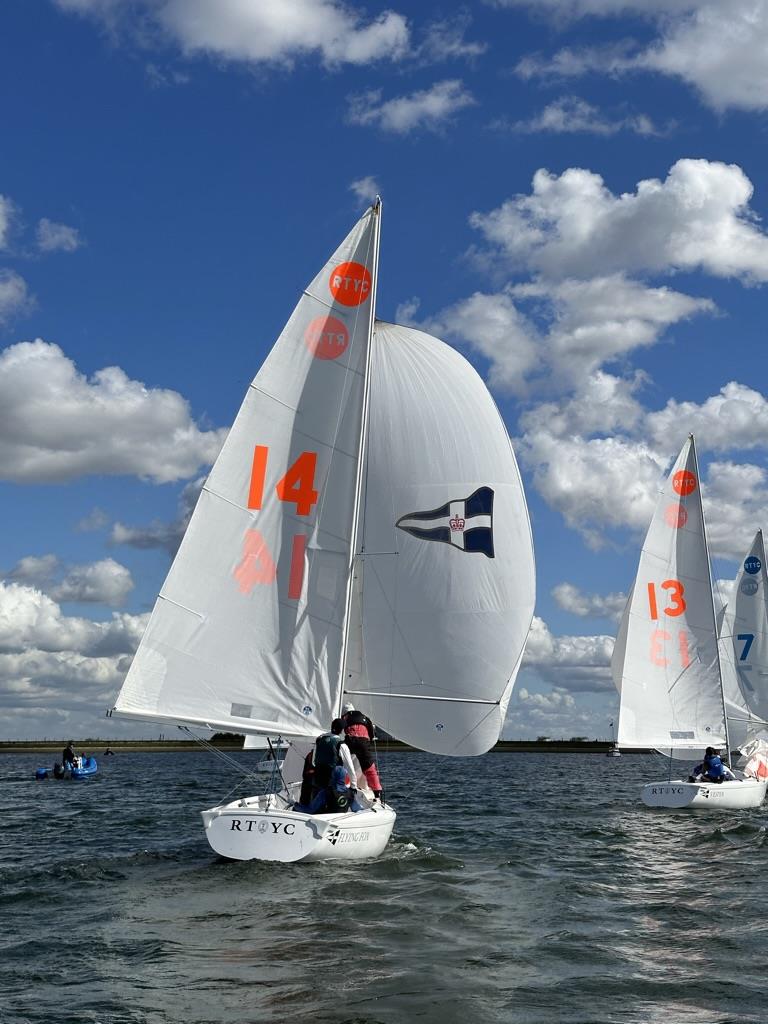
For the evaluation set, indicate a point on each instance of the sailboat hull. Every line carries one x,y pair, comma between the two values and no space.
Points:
258,828
738,794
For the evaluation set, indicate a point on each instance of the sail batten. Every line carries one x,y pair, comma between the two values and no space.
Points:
422,696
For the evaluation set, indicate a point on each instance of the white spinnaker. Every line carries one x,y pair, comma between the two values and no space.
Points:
247,632
745,644
443,626
671,694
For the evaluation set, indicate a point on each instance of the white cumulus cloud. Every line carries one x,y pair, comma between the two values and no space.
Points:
365,189
53,237
572,225
158,534
573,115
59,672
7,215
58,424
14,295
736,417
102,582
426,109
259,31
570,663
718,47
575,601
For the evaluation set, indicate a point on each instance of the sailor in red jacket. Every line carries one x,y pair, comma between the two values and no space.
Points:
358,729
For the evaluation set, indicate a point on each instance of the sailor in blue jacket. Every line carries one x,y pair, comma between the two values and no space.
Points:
711,768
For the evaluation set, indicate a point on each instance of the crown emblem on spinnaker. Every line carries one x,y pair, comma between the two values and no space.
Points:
464,523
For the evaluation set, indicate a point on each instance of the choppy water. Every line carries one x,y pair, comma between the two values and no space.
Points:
518,888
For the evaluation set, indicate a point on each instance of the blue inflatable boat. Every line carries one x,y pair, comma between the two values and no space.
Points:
88,766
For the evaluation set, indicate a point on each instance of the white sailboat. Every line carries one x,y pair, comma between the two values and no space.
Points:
744,648
363,535
273,758
613,750
666,661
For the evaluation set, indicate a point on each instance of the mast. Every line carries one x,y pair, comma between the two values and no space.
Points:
712,603
356,514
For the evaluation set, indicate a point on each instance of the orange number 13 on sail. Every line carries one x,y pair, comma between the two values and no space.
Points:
675,590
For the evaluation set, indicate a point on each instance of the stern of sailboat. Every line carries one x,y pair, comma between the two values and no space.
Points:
267,828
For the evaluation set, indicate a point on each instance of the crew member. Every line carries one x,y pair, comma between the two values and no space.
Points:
331,750
338,797
358,729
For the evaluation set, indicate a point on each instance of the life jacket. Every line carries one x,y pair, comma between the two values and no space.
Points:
327,750
357,724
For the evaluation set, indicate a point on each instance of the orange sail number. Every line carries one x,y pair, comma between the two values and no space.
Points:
675,591
296,487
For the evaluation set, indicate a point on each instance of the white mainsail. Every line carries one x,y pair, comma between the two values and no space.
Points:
668,669
446,579
744,647
247,632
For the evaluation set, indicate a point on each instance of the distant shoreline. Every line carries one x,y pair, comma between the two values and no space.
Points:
98,746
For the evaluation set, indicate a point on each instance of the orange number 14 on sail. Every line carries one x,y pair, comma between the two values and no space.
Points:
297,486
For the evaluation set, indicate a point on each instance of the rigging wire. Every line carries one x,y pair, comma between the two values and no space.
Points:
227,759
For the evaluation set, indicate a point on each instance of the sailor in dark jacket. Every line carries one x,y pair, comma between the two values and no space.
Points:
68,755
327,754
358,729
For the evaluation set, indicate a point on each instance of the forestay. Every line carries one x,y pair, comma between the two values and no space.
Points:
445,583
247,632
669,671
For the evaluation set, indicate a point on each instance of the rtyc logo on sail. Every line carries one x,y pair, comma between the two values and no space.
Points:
464,523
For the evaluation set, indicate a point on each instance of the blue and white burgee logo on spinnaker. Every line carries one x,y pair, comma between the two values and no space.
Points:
752,565
464,523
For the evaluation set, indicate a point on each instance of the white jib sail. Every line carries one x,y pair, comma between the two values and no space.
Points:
445,583
246,634
669,672
745,643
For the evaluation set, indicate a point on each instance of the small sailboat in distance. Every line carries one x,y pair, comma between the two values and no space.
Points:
613,750
666,661
364,536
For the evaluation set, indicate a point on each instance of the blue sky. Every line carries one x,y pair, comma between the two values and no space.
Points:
575,196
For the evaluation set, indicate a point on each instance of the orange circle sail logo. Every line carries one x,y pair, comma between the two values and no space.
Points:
350,283
684,482
326,337
676,516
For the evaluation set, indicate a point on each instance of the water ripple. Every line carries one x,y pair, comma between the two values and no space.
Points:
518,889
